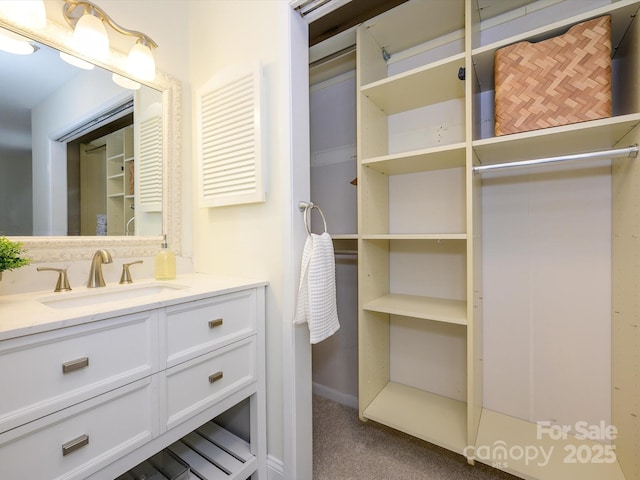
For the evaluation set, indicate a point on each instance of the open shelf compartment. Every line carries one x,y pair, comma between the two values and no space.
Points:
433,418
427,85
573,138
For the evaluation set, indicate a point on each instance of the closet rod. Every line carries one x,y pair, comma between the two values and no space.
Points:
346,252
631,152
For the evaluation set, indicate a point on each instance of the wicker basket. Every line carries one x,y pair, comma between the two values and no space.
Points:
562,80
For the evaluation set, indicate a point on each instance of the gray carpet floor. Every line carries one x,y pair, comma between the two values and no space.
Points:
344,448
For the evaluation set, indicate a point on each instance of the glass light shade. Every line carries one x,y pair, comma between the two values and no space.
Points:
140,62
90,37
14,43
125,82
28,13
76,62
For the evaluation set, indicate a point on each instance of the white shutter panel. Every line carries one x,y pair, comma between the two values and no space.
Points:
150,165
229,138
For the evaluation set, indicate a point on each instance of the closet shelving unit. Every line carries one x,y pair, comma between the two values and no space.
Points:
419,218
120,199
412,218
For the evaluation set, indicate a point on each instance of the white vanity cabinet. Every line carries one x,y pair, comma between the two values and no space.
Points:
96,398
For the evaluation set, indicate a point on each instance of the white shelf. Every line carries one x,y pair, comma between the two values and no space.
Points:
434,418
521,433
415,236
434,158
345,236
433,83
428,308
580,137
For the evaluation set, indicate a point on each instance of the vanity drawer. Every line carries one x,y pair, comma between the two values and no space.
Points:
82,439
200,383
199,327
47,372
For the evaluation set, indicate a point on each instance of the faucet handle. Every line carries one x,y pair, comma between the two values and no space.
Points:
62,285
126,274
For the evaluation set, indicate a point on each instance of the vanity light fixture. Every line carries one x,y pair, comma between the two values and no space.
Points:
91,39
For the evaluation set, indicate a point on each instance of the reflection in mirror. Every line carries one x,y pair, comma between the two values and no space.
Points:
71,157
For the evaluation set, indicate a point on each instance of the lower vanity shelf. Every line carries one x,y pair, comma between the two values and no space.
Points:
208,453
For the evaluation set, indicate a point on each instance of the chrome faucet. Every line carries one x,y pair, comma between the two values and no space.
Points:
95,273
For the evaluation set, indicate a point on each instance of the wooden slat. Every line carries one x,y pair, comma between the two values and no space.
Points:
226,440
198,464
213,453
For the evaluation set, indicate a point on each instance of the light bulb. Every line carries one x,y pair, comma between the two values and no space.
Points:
13,43
140,62
125,82
76,62
90,37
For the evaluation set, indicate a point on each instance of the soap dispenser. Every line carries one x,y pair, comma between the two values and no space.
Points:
165,262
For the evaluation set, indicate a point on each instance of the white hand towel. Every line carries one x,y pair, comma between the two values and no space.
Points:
317,289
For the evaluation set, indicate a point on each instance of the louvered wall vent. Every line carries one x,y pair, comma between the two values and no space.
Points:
229,138
150,165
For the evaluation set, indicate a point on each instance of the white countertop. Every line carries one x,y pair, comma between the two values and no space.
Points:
26,314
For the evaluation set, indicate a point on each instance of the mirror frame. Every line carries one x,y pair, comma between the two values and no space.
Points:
65,249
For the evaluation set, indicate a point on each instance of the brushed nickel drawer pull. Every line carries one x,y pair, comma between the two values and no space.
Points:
75,444
75,364
215,323
215,377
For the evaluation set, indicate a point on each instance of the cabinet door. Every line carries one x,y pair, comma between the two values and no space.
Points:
46,372
79,440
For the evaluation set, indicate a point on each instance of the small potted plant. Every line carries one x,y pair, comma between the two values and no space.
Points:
11,255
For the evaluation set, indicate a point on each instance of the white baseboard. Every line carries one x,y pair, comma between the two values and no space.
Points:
275,468
335,395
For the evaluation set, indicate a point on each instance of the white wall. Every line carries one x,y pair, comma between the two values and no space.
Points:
16,194
260,240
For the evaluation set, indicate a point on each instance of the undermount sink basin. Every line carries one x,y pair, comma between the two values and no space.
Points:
107,294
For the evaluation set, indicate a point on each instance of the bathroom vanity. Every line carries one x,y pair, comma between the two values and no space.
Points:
95,381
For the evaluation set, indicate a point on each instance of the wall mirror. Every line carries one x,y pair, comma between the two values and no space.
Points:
137,217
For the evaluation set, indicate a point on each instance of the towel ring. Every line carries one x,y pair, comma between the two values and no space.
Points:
307,207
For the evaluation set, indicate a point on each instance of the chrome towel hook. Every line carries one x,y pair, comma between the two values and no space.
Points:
306,209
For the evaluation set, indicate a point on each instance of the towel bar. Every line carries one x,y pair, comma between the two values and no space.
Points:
307,207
